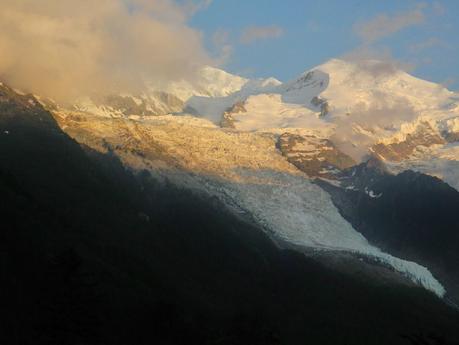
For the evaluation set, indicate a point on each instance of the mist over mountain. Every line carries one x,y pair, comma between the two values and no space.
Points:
87,48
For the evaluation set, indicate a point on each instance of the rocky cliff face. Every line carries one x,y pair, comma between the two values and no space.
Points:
228,116
423,137
314,156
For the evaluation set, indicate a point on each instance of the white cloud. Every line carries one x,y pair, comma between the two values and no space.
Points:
255,33
68,48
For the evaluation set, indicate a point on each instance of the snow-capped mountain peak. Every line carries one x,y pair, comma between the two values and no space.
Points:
210,82
256,144
356,104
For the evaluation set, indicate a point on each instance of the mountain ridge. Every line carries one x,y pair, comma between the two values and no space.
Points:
225,160
94,253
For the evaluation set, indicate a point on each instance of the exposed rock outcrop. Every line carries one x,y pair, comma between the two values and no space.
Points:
315,156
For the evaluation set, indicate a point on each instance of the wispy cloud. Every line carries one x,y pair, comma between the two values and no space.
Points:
313,26
191,7
61,49
438,8
382,26
376,61
255,33
426,44
385,25
222,45
449,82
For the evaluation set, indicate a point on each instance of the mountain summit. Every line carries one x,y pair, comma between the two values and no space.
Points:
364,107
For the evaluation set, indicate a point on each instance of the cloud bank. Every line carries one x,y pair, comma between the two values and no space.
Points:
64,49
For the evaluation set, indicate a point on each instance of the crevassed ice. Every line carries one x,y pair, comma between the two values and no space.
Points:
301,213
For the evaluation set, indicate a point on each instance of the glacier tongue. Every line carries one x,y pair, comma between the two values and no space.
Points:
298,212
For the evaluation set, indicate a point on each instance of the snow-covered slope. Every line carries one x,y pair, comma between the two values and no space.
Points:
355,104
160,99
365,107
210,82
244,169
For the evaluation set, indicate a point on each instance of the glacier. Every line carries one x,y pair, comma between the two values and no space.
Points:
244,170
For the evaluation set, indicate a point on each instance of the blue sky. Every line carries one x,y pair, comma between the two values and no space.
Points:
282,38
